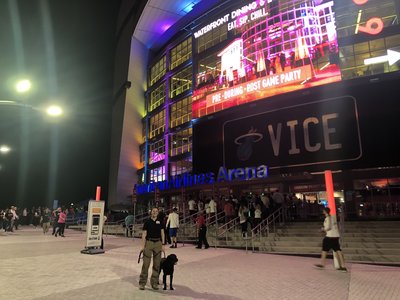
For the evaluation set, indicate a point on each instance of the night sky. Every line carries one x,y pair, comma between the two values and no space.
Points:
66,48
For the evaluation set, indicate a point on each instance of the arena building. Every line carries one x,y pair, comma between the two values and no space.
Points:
219,98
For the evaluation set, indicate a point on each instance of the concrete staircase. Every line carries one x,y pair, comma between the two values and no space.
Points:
369,241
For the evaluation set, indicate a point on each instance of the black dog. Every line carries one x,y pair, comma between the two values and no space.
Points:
167,266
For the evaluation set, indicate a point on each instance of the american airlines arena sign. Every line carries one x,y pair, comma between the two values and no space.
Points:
188,180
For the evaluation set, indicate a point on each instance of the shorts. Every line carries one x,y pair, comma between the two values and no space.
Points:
330,243
173,231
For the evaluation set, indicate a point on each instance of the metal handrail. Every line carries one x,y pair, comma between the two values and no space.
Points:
218,216
232,224
188,219
190,228
264,226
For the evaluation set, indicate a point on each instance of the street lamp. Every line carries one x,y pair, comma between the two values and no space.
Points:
23,86
4,149
54,111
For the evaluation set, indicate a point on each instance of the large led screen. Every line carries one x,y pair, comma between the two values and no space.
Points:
279,46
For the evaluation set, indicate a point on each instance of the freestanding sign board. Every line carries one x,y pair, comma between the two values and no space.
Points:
94,227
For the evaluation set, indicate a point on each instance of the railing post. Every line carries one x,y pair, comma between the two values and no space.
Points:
252,240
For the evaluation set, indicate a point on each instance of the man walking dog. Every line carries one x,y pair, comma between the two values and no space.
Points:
153,240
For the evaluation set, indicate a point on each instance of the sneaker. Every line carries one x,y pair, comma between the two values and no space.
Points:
141,287
343,270
172,246
206,247
319,266
154,286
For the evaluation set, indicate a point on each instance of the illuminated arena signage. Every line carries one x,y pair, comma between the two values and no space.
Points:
187,179
237,17
277,49
285,46
373,26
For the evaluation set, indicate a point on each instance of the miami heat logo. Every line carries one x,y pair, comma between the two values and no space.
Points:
245,142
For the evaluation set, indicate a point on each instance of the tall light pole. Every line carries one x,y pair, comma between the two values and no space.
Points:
54,111
23,86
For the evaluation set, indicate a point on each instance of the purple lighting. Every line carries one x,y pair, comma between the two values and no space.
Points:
165,27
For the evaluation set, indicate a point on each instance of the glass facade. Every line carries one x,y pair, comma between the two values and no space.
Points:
181,112
326,40
158,70
157,151
157,124
212,38
181,53
181,82
181,142
181,166
157,97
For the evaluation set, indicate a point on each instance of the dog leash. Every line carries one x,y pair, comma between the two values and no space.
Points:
141,255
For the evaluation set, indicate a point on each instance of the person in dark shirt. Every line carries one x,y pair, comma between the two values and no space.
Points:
56,214
153,240
45,220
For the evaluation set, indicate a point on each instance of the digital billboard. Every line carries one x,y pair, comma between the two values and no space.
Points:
279,46
346,125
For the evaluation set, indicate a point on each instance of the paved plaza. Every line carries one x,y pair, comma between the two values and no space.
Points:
35,266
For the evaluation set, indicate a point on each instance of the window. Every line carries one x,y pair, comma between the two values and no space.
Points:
181,112
157,174
181,82
157,124
157,151
180,167
157,97
142,150
181,53
212,38
181,142
158,70
352,58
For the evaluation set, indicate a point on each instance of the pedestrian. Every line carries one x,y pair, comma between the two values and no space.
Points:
192,208
229,210
129,225
152,245
202,231
243,214
45,220
2,219
257,215
62,218
212,207
331,240
173,224
56,213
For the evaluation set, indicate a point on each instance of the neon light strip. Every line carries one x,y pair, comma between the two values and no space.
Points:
358,21
323,67
375,60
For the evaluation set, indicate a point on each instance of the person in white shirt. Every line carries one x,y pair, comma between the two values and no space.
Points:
212,209
173,222
331,240
192,208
